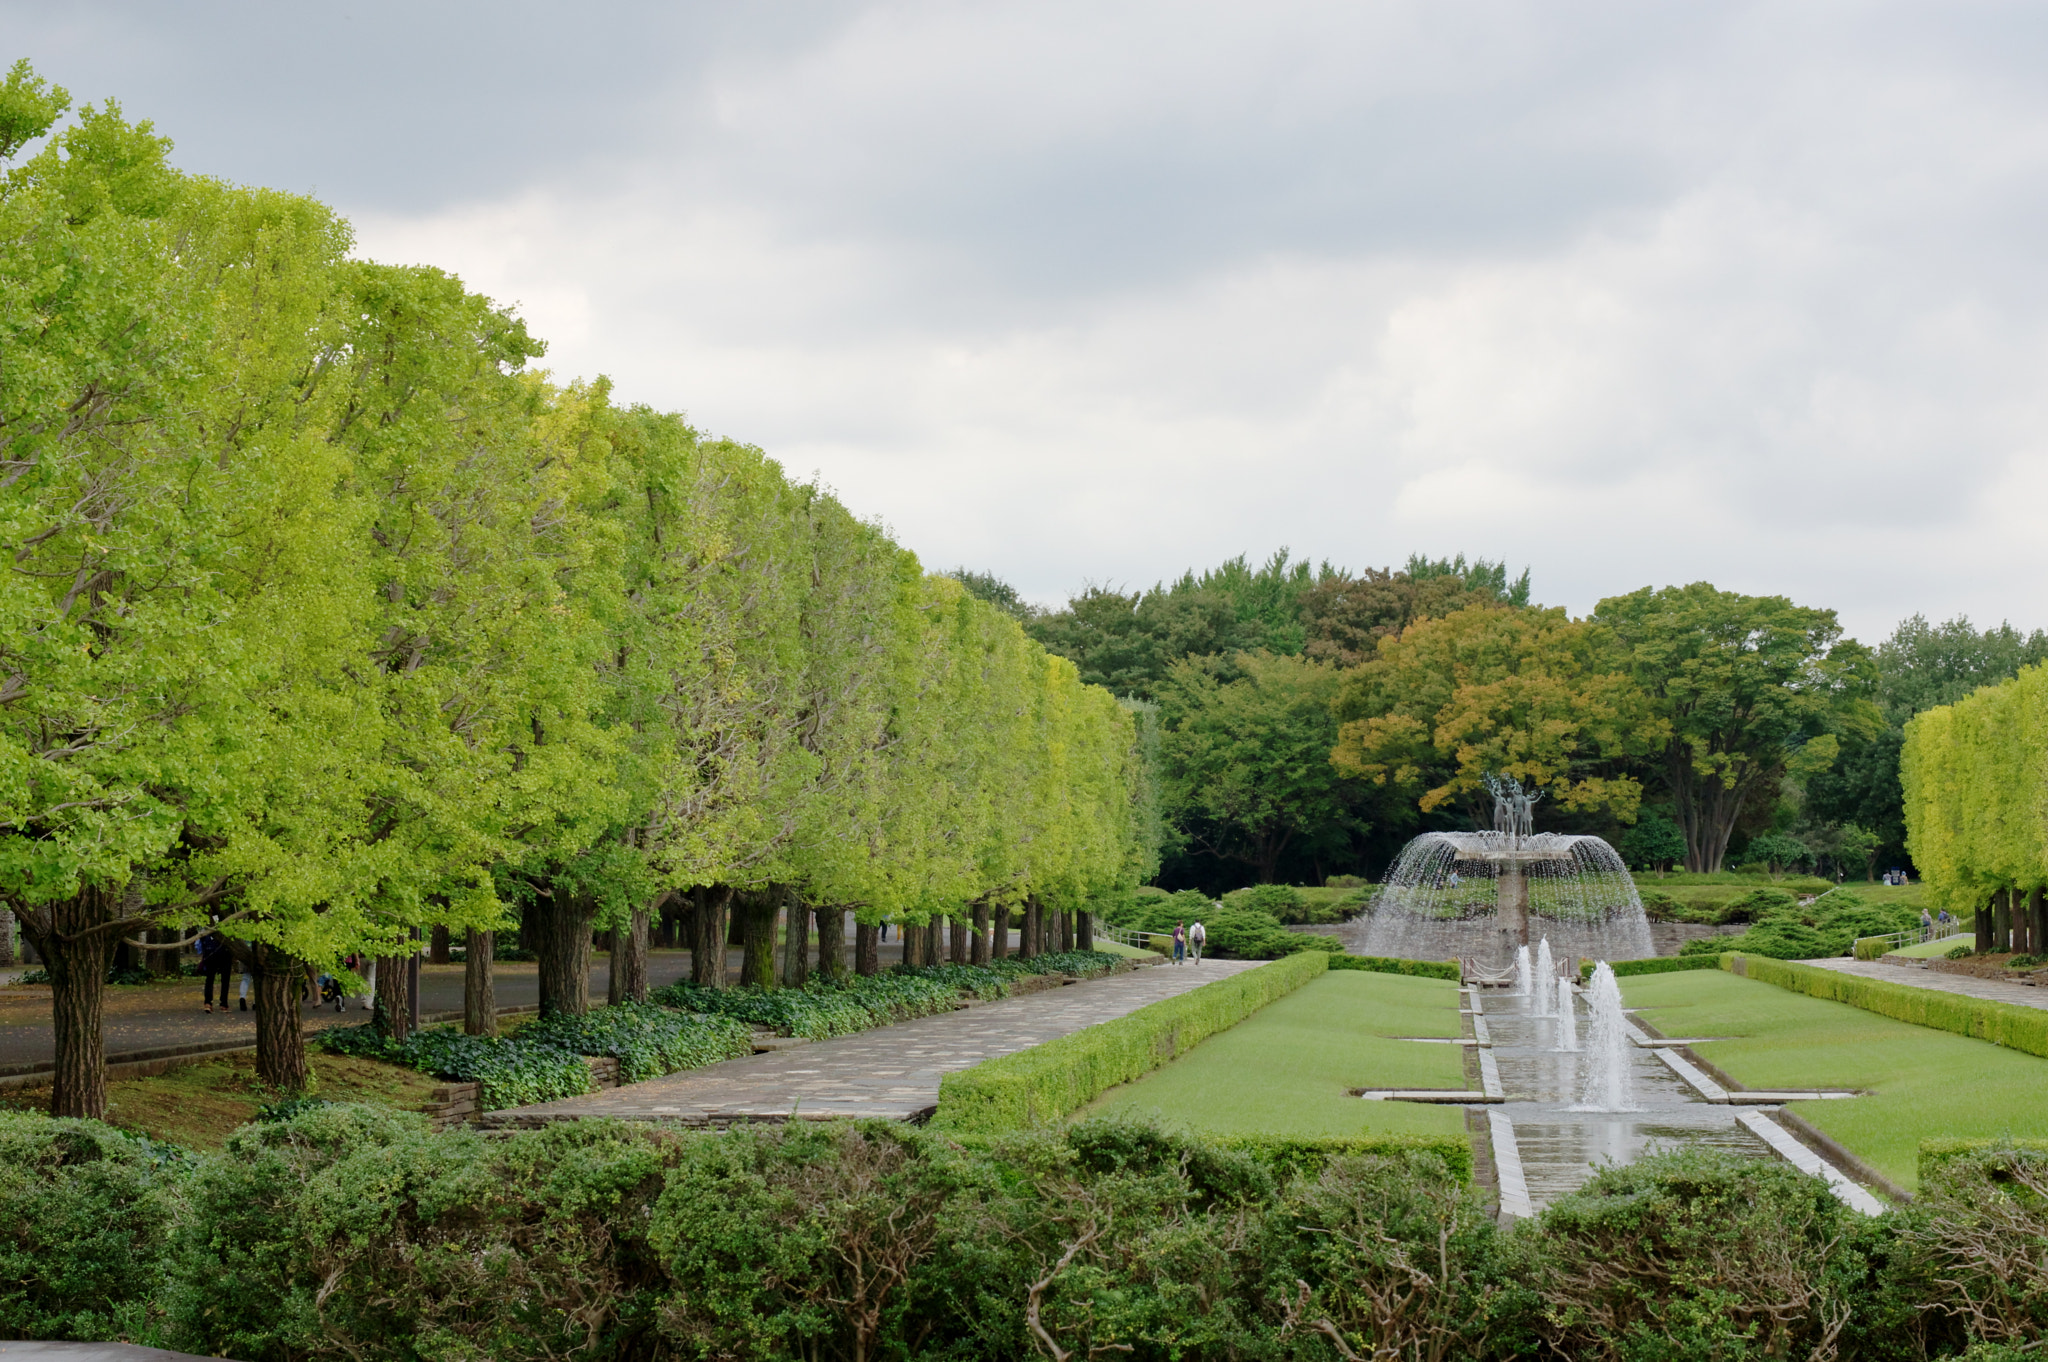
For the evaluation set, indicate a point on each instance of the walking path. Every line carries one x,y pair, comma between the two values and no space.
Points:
891,1072
1996,990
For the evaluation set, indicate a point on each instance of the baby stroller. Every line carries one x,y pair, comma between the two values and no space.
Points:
330,991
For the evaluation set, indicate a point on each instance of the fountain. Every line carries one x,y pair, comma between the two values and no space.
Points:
1546,981
1604,1076
1522,971
1476,896
1567,1016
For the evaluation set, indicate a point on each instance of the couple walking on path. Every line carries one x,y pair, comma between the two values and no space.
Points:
1188,942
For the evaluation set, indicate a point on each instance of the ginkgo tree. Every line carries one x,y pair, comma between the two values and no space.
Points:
330,621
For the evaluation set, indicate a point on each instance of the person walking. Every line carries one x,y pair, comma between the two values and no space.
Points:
1926,926
1196,937
1180,942
216,962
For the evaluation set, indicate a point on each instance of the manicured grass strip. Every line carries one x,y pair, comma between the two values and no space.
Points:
1925,1084
2007,1024
1940,946
1048,1081
1287,1072
1381,964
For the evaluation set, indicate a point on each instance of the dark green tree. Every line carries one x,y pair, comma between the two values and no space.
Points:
1754,688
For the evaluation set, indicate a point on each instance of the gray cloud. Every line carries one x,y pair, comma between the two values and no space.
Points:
1630,292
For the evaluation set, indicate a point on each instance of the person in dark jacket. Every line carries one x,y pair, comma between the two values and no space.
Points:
216,962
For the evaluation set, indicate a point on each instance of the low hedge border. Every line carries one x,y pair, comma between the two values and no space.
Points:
2017,1028
1661,964
1936,1154
1306,1157
1384,964
1049,1081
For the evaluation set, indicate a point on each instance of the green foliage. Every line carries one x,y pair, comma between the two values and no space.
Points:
647,1040
1234,931
1662,964
1978,1235
2008,1024
1749,689
1244,758
1780,927
1048,1081
89,1215
1533,694
513,1072
1653,843
1774,1235
357,1232
1380,964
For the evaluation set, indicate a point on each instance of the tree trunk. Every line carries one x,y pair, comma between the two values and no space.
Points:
628,981
437,947
7,952
831,941
956,940
479,987
977,942
393,1015
280,1035
1027,934
2037,924
1981,920
754,914
2001,920
796,942
559,923
999,934
867,948
78,984
707,936
1084,931
1066,929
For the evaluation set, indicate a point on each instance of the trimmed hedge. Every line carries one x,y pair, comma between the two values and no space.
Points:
1385,964
1660,964
1307,1157
1936,1154
1046,1082
2008,1024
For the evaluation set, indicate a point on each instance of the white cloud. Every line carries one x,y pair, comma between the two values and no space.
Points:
1631,293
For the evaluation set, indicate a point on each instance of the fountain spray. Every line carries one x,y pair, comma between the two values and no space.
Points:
1567,1015
1546,980
1522,970
1604,1077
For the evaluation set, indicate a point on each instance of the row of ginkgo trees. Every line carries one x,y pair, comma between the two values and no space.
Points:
328,621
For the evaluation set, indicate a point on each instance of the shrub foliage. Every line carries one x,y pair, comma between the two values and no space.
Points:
347,1232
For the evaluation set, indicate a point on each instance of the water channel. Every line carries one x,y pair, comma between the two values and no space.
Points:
1560,1141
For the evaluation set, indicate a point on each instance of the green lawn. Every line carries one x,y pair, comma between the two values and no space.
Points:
1289,1068
1926,1084
1928,950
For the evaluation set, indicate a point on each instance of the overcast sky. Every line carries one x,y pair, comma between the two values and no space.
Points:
1628,293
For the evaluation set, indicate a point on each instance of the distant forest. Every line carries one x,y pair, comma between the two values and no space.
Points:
1307,720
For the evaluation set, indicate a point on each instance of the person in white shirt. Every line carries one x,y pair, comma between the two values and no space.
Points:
1196,936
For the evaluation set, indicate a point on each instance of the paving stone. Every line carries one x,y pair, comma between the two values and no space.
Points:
1996,990
891,1072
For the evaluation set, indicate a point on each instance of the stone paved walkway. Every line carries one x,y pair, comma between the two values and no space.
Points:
891,1072
1997,990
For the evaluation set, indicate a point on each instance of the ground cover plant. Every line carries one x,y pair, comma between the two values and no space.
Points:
542,1059
1234,931
1923,1083
826,1007
1936,949
1289,1068
347,1232
1783,928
